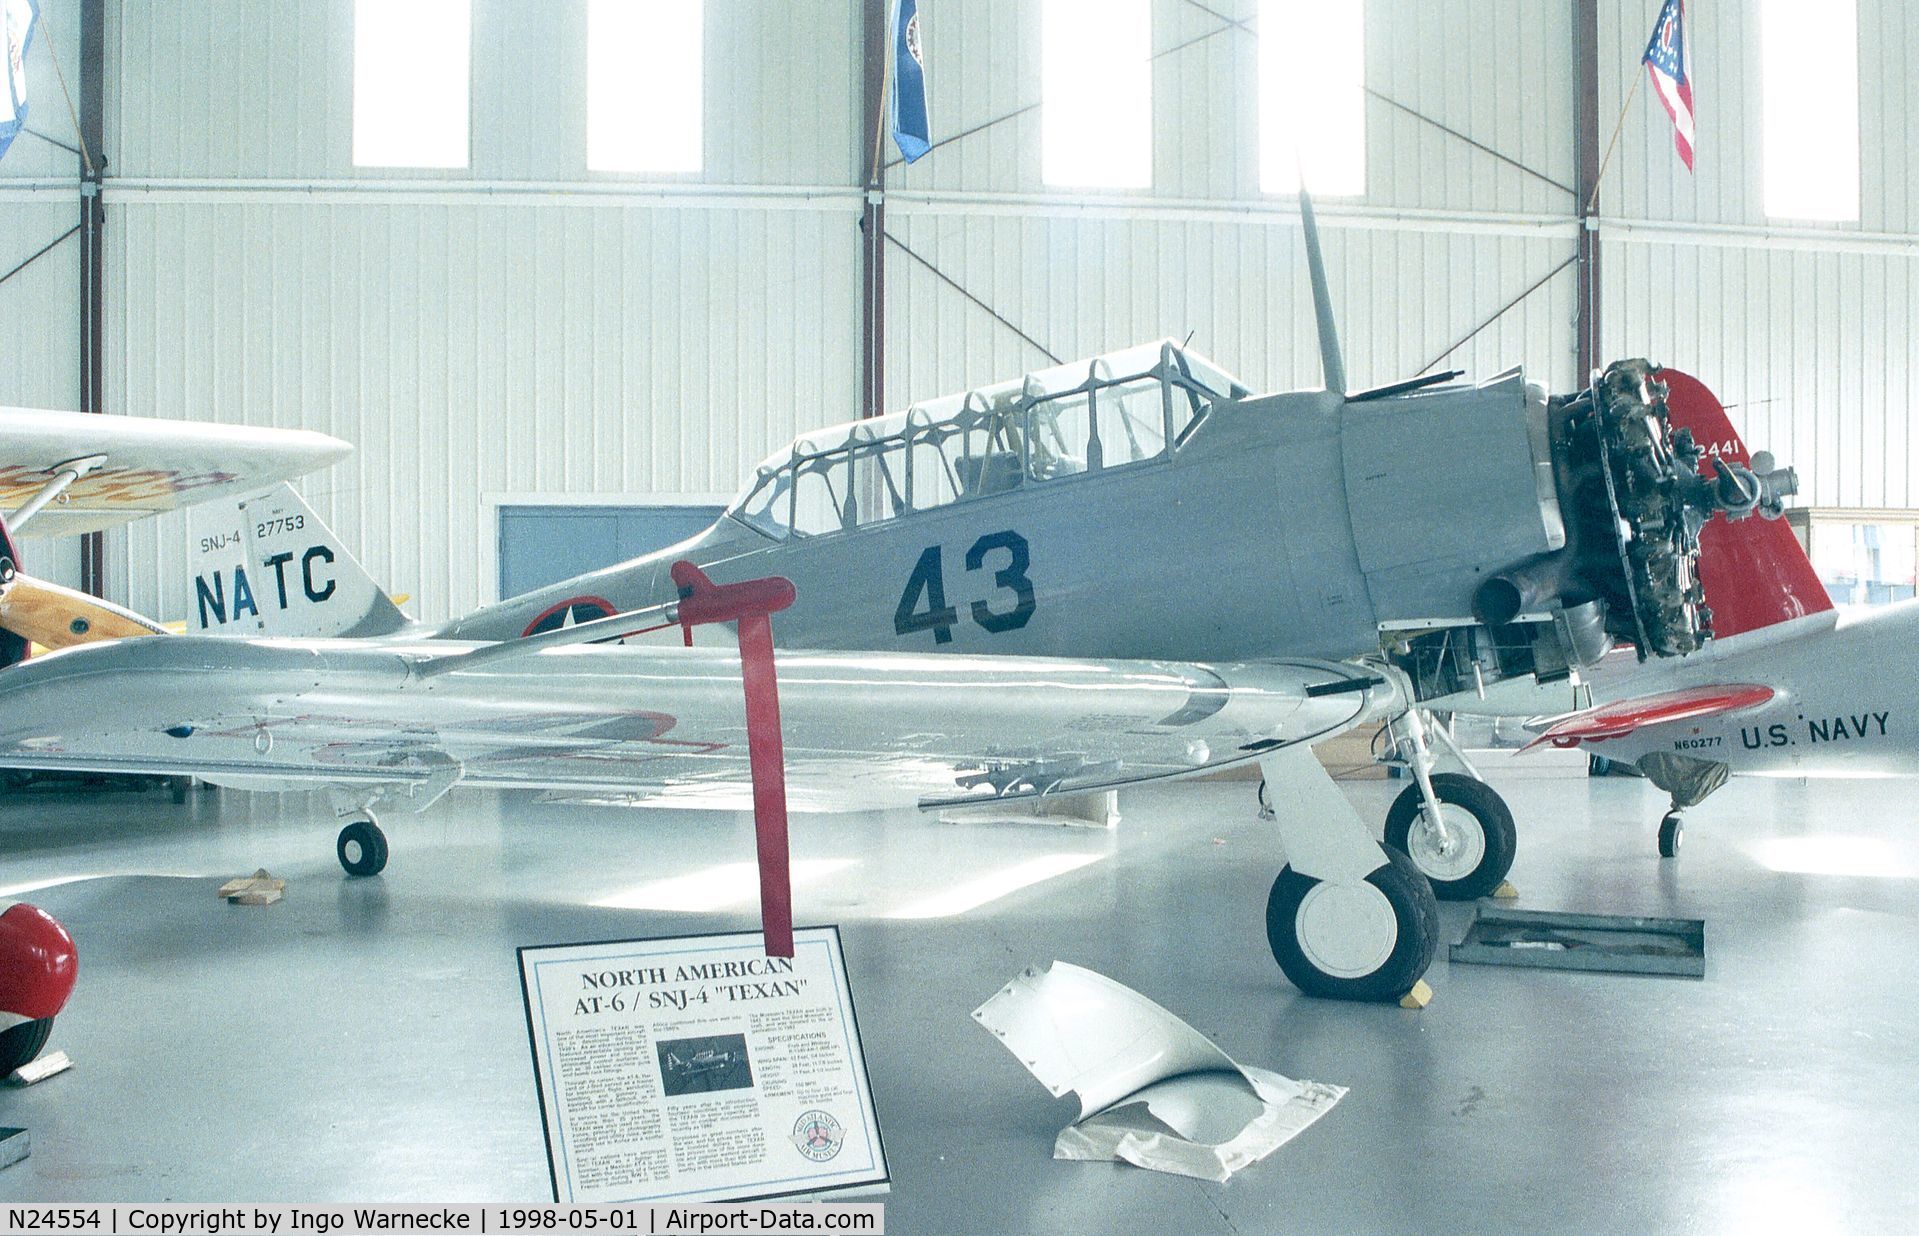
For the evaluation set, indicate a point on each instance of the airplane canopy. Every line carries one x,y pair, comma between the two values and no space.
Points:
1110,411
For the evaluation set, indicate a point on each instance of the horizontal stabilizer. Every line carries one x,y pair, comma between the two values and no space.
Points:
1623,717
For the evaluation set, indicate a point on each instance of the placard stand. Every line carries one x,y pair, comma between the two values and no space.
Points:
698,1068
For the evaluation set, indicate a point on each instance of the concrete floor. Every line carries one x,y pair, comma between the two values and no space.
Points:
364,1040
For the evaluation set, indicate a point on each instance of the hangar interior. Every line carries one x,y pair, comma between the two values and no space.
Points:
548,361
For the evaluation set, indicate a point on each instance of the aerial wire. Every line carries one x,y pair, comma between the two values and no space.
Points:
86,156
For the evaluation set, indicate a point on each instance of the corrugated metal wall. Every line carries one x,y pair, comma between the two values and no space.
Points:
525,326
1444,236
520,327
39,201
1805,330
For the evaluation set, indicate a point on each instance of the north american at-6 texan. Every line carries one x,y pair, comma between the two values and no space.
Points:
1104,574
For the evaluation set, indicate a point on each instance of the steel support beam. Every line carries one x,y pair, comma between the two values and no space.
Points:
93,219
1586,143
875,25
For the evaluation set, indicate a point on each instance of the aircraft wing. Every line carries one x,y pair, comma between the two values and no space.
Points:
122,468
1622,717
861,729
566,709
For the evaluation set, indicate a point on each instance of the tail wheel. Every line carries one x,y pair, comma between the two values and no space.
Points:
1472,850
362,848
20,1044
1364,940
1672,831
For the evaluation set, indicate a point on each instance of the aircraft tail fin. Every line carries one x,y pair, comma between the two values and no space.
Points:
266,565
1754,571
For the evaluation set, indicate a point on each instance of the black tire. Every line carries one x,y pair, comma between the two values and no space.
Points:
20,1044
1672,831
362,848
1487,809
1416,917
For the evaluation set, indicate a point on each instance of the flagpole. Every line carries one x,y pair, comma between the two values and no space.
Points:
886,85
1600,179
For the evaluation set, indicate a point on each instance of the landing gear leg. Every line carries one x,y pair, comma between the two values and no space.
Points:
1347,918
1455,828
362,846
1690,781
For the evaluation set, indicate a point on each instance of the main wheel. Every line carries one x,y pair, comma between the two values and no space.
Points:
1472,854
362,848
19,1044
1672,830
1370,940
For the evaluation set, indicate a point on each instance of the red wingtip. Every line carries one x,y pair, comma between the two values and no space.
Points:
1754,572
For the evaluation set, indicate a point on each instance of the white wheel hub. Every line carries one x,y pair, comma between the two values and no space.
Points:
354,850
1450,850
1346,931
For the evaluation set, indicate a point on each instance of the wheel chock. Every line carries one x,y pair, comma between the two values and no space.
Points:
14,1146
258,889
1418,998
1506,891
39,1070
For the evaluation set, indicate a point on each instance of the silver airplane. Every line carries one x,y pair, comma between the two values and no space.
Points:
1146,504
1107,573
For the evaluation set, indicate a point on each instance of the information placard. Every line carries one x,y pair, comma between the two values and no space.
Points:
697,1068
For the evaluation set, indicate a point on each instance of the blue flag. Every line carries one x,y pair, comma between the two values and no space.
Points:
910,131
16,32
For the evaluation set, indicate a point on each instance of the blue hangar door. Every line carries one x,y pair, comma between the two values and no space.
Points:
541,545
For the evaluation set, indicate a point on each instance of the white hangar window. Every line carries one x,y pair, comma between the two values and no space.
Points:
1312,105
644,81
1096,112
1809,92
411,66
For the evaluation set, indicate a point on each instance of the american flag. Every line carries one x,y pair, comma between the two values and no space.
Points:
1668,59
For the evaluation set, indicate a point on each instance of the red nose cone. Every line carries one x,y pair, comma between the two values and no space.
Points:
37,963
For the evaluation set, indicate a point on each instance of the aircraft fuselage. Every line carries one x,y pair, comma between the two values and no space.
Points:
1847,702
1279,526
